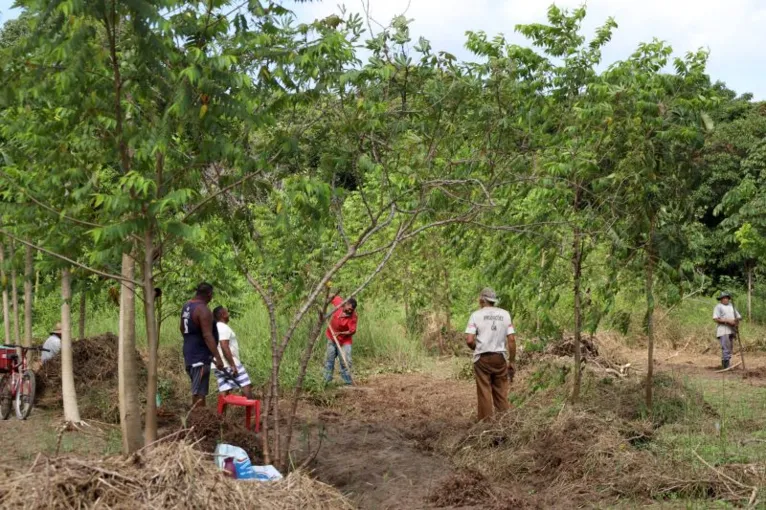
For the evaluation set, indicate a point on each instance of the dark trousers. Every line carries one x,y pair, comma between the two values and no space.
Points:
492,386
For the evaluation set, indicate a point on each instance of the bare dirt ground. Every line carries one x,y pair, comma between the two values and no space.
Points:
701,363
375,448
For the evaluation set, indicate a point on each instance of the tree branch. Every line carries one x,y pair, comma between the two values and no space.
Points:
67,259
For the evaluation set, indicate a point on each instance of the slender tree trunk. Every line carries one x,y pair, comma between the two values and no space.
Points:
271,393
71,412
314,334
158,308
750,292
37,286
274,384
127,367
577,272
538,324
577,277
83,311
15,301
6,306
28,296
150,429
650,260
446,306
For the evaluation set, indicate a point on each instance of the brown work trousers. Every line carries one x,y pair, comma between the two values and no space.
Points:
492,385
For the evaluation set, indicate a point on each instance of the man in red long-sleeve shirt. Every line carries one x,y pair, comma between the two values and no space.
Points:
343,324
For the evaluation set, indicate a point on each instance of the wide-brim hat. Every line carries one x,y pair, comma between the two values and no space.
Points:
723,295
57,329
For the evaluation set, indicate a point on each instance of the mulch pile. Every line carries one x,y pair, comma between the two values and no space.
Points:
95,379
209,429
168,475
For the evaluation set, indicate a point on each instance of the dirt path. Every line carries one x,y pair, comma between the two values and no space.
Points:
375,449
707,364
41,433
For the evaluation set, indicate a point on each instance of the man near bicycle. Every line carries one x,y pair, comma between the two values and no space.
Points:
200,342
53,344
234,374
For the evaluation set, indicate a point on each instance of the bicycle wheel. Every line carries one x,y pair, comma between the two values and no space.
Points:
25,396
6,396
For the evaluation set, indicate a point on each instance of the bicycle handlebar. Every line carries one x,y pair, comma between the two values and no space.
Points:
30,348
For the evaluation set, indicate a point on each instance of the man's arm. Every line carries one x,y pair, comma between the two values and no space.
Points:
223,339
511,346
351,325
205,322
229,356
470,333
719,319
511,339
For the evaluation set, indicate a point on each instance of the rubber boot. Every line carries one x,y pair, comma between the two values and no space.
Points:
725,363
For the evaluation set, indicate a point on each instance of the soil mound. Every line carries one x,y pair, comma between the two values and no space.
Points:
209,429
170,475
95,379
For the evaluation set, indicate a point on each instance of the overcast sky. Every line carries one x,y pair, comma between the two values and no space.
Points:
733,30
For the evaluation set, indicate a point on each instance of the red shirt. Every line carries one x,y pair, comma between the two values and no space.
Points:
344,327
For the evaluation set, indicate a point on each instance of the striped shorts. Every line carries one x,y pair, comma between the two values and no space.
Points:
225,382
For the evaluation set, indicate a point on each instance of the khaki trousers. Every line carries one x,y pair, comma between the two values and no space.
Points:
492,386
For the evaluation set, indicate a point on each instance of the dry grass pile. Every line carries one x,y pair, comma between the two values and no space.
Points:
95,378
565,347
470,488
170,475
209,429
599,450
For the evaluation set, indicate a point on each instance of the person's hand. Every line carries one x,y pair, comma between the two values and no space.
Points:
511,371
218,363
234,371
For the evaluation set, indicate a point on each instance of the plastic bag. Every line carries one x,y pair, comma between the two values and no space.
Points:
267,473
243,469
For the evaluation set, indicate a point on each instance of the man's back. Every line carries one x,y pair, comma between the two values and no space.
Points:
491,325
195,350
53,344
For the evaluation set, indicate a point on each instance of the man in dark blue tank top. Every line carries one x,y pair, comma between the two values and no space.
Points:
200,342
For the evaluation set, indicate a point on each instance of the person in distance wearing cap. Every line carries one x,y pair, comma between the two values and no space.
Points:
491,336
53,344
727,318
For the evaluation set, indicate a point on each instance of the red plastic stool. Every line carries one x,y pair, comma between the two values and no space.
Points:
249,405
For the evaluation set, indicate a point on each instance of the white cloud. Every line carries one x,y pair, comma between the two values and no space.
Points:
733,30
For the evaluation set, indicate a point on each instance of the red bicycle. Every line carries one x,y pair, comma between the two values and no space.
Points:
17,385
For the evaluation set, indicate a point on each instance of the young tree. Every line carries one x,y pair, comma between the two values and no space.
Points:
662,125
69,395
127,369
28,270
6,307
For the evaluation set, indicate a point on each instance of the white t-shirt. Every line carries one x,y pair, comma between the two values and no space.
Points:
491,325
226,333
53,344
722,311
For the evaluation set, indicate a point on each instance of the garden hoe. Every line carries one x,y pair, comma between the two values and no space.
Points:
342,355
